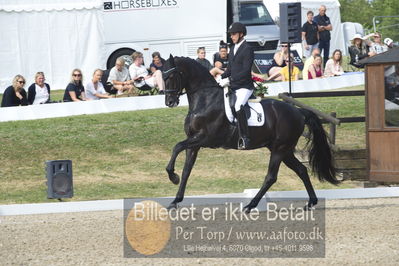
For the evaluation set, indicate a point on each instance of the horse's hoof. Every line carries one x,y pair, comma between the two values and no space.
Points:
174,178
247,209
172,206
309,207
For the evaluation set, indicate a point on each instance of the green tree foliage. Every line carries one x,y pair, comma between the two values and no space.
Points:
359,11
363,11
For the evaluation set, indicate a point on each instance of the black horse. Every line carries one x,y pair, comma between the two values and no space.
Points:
206,125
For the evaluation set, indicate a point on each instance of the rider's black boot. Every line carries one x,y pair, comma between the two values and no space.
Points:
243,136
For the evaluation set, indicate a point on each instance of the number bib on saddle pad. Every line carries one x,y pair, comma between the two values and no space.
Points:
257,117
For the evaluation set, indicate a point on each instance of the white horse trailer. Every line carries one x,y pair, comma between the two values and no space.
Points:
179,27
56,36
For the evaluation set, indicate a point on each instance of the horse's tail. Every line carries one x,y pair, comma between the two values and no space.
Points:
320,155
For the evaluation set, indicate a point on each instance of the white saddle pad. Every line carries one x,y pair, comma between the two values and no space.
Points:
257,118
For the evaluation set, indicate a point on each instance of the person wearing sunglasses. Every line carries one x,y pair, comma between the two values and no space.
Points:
75,92
15,95
284,71
377,46
39,91
278,62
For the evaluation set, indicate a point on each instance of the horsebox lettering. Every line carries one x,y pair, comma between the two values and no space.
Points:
136,4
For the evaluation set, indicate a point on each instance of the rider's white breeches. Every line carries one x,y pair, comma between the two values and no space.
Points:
242,97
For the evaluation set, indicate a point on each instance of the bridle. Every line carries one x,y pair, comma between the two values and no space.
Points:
166,75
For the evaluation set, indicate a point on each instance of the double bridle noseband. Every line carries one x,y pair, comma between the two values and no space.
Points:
166,74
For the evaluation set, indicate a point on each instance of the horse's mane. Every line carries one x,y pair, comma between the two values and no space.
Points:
197,69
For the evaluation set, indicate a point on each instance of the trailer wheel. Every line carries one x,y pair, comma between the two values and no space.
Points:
125,53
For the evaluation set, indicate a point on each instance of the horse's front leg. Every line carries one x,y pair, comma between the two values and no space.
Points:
179,147
191,156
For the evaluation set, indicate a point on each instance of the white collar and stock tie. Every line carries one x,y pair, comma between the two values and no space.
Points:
238,46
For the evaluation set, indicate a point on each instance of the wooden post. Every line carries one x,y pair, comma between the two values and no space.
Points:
333,129
317,112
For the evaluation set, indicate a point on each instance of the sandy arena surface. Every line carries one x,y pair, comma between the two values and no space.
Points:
358,232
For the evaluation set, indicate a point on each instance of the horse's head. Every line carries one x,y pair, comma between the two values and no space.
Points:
173,82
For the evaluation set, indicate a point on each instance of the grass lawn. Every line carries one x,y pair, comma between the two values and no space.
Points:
124,154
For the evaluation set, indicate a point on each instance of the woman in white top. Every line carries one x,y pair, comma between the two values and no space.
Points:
94,89
334,65
138,72
378,46
39,92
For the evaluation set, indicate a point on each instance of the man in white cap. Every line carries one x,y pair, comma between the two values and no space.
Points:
389,42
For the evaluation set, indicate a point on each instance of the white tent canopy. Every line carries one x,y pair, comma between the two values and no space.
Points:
53,36
332,12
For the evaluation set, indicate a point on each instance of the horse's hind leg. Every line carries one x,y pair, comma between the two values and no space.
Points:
191,156
293,163
271,177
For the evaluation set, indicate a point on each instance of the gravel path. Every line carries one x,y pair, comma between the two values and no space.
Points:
358,232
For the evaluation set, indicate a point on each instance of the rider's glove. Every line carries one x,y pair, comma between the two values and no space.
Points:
223,82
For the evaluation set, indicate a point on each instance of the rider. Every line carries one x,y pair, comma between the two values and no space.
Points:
241,57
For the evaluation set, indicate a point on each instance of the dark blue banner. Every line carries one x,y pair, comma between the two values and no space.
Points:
264,61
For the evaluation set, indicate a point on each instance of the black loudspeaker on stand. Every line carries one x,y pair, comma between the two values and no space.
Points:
59,179
290,28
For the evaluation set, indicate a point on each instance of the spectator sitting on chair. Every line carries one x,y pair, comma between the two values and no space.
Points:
119,78
316,69
39,92
284,72
154,54
358,51
74,92
15,94
221,59
138,73
308,62
334,65
310,35
278,63
95,89
157,63
201,58
377,46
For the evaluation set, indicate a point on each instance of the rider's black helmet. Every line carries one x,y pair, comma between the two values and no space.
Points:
237,27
